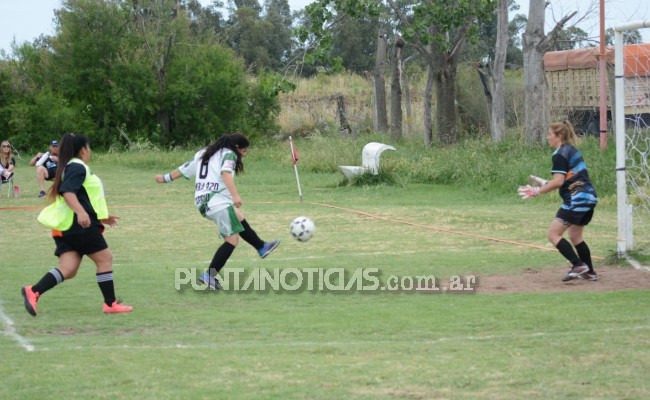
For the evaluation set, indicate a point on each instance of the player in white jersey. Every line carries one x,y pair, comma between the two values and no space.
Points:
217,199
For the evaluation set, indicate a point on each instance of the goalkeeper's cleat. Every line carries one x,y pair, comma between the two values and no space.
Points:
576,272
536,181
116,308
30,298
210,281
268,248
589,276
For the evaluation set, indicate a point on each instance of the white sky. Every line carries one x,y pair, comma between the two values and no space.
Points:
25,20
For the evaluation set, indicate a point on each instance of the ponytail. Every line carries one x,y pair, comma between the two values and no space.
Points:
232,141
69,147
566,132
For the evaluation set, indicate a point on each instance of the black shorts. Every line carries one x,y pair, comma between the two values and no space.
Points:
574,218
51,173
86,243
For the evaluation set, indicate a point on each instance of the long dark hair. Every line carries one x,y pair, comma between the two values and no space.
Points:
232,141
69,147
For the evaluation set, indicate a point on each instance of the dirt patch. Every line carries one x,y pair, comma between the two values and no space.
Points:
549,280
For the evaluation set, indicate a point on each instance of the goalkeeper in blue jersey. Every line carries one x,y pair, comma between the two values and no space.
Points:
217,198
579,199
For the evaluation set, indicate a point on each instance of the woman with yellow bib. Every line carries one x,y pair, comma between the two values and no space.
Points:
77,217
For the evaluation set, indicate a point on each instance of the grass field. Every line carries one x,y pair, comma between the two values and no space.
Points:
315,344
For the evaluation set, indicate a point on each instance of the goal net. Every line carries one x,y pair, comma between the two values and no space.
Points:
632,119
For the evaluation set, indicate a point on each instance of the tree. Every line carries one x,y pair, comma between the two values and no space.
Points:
570,38
498,125
439,30
629,37
278,18
536,43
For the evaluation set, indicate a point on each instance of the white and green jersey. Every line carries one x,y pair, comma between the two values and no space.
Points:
210,191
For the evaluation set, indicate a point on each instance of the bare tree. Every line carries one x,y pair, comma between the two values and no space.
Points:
535,44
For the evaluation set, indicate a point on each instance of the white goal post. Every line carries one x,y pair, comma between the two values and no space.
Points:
628,169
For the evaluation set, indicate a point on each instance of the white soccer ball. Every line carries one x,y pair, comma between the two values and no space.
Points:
302,228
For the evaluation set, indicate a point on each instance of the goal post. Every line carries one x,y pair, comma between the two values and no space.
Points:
632,129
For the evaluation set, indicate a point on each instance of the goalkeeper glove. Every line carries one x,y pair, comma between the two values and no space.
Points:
536,181
527,192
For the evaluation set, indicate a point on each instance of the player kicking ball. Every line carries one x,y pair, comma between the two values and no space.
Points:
217,199
579,199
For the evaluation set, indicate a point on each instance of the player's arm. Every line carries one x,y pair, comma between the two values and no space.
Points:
186,170
555,183
229,180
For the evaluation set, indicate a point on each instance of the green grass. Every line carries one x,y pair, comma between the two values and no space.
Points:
317,345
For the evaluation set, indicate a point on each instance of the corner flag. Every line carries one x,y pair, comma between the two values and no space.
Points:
294,159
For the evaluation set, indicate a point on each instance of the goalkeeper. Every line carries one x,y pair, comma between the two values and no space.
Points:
571,178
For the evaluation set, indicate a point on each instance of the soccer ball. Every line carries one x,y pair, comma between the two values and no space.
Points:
302,228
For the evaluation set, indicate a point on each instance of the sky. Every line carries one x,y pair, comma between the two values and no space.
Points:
25,20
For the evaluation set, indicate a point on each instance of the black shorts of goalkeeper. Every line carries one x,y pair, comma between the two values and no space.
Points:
579,218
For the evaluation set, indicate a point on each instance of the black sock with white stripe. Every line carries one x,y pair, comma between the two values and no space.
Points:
105,282
48,281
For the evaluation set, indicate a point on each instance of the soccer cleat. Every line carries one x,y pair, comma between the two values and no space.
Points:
116,308
589,276
210,281
41,194
268,248
30,297
576,272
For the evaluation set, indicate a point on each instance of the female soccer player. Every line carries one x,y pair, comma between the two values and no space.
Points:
218,200
579,199
79,212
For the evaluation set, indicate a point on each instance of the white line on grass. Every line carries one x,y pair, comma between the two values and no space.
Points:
10,330
354,343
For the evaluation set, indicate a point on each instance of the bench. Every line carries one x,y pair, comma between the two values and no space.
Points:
369,160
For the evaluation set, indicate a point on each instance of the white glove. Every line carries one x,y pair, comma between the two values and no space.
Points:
527,192
536,181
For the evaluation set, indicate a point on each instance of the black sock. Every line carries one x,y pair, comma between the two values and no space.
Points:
48,281
105,282
585,254
220,258
567,251
250,236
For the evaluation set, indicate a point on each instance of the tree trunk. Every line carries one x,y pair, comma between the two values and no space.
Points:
498,69
446,105
407,98
537,113
342,116
428,123
381,119
396,91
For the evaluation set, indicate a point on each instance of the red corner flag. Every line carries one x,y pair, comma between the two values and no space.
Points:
294,158
294,153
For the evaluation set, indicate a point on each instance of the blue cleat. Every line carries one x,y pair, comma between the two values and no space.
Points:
210,281
268,248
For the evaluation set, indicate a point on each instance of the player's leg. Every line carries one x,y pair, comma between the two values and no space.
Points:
69,262
575,235
555,236
229,229
97,249
250,236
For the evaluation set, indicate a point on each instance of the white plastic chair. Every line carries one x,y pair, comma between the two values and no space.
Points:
369,160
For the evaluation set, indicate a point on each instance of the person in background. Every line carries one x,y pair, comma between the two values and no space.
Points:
80,210
7,161
46,168
579,199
